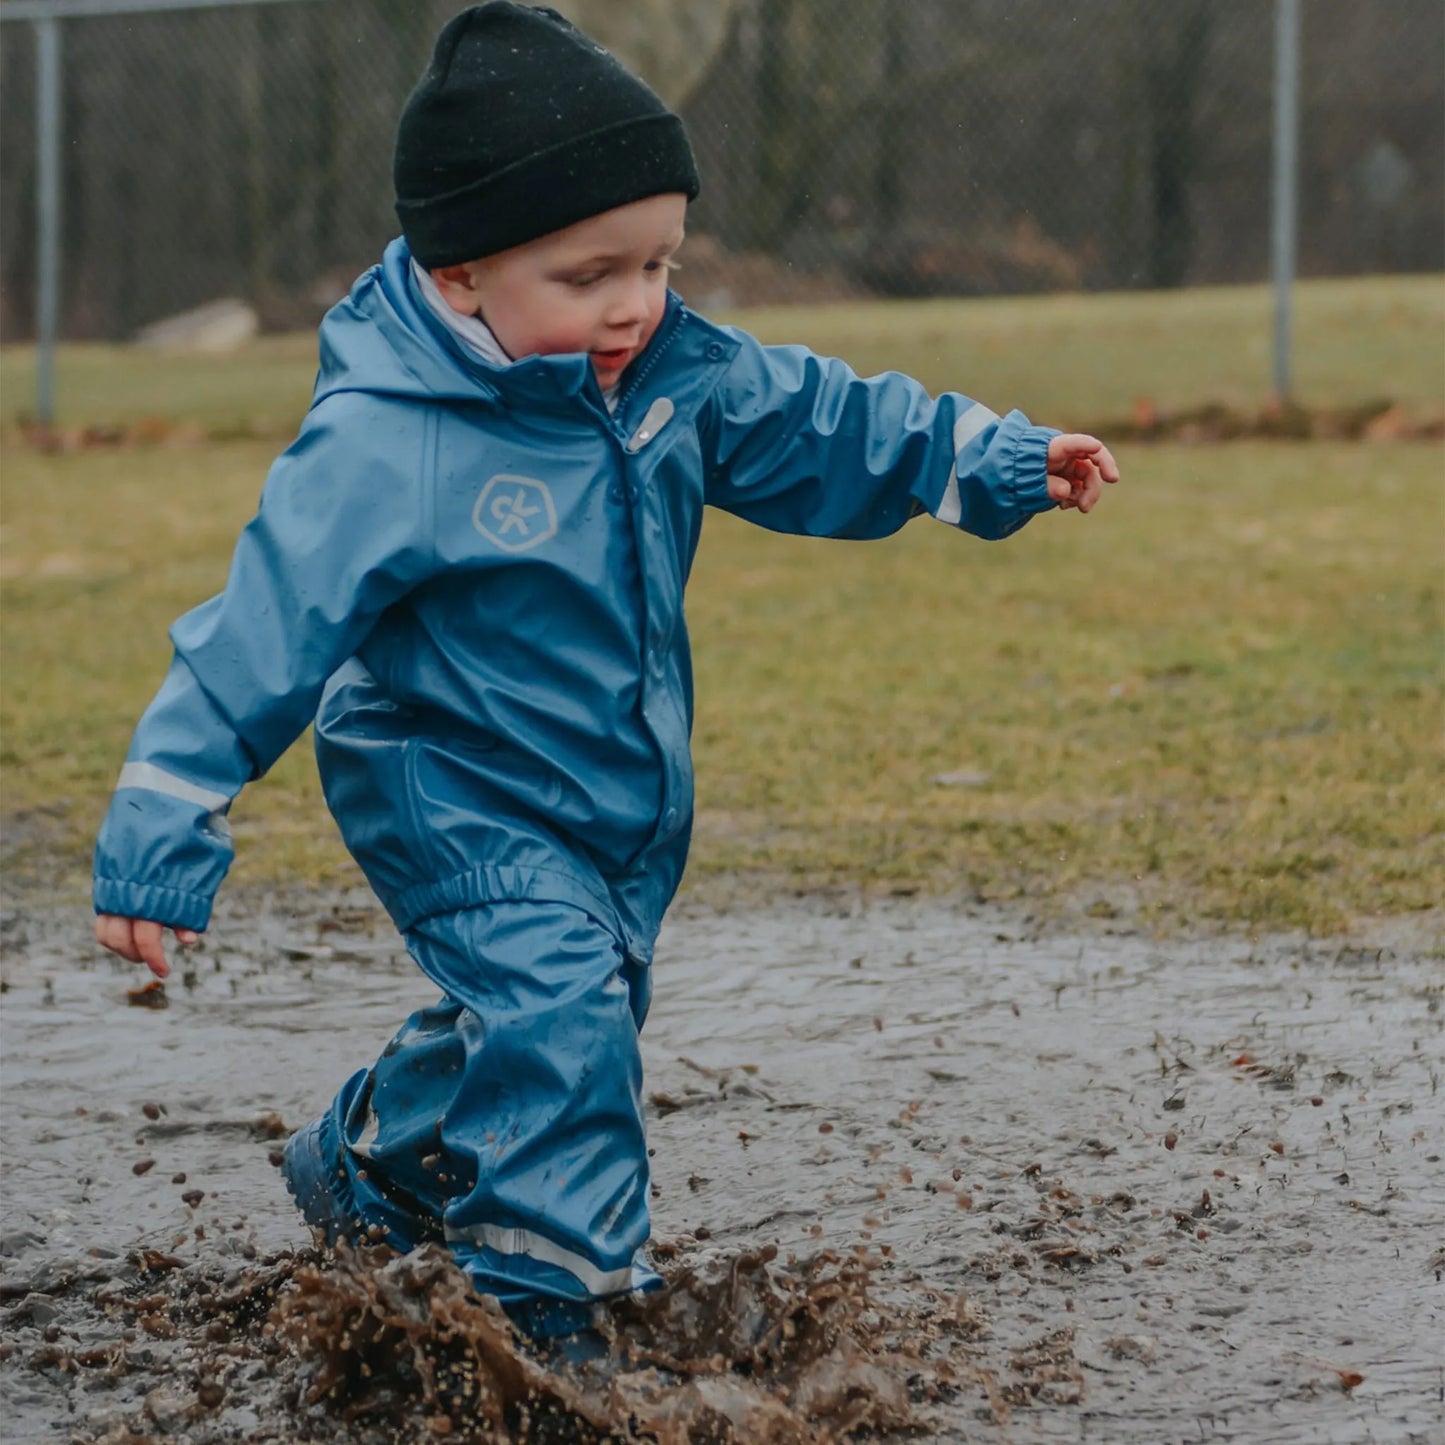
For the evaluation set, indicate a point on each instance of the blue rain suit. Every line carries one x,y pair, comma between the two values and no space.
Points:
471,578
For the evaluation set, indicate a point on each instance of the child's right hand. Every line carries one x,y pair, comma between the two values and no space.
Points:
139,940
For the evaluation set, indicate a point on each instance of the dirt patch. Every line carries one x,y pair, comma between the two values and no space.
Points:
1377,419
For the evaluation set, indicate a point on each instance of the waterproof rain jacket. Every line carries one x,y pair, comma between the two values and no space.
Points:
471,578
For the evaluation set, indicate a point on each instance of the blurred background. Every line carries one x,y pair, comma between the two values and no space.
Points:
1064,207
849,148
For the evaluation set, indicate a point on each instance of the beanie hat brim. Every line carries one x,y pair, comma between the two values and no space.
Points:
551,190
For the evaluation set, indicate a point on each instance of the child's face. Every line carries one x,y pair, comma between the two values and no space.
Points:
599,286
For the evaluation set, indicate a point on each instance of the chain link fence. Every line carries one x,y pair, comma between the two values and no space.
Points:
848,147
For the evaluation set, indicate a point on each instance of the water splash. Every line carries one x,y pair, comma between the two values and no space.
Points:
737,1347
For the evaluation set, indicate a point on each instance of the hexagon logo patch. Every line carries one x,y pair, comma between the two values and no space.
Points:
515,513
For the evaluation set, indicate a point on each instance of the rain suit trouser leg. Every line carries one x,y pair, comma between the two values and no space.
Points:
507,1118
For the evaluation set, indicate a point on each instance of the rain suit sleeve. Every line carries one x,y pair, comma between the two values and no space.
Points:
342,532
800,443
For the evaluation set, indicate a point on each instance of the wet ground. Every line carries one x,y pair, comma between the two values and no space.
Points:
915,1165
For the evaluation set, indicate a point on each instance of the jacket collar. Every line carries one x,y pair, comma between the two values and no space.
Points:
386,338
474,332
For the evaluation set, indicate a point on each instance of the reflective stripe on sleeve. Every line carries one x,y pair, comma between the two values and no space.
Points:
534,1246
968,426
157,780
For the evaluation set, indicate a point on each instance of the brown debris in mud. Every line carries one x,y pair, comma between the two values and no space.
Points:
390,1335
164,1339
148,995
1046,1372
734,1348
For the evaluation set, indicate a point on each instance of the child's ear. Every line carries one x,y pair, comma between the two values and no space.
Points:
458,285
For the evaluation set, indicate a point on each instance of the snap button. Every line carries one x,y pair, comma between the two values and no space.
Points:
716,351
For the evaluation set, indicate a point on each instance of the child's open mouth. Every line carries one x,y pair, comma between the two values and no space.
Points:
612,360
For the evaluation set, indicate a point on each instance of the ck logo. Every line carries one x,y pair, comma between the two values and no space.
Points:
515,513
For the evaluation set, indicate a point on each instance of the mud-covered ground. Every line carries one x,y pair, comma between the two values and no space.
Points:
917,1167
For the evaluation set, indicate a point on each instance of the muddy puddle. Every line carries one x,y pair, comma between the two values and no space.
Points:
919,1173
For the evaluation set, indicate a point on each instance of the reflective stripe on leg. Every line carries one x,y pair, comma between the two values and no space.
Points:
533,1246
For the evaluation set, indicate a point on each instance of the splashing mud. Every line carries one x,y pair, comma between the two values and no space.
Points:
920,1171
733,1349
369,1346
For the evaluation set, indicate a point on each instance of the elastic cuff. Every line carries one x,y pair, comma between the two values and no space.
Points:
169,906
1031,470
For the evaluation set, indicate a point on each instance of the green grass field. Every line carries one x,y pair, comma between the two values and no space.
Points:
1077,360
1218,698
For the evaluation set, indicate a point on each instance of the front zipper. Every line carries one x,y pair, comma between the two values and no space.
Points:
641,376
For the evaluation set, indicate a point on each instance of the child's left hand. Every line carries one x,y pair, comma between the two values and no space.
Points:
1078,465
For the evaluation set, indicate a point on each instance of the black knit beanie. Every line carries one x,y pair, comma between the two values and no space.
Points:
522,126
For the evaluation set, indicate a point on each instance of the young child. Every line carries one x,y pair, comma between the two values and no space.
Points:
468,571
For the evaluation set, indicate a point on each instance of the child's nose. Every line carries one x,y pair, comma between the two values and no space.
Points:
629,304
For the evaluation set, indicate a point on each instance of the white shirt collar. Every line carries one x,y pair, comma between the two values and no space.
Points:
473,332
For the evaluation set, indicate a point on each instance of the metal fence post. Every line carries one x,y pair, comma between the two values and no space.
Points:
46,16
47,301
1286,182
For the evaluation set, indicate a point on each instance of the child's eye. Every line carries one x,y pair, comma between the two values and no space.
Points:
591,278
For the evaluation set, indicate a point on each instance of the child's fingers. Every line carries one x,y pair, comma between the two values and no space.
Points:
1089,489
134,939
1068,447
115,933
139,940
1061,490
150,946
1078,485
1108,467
